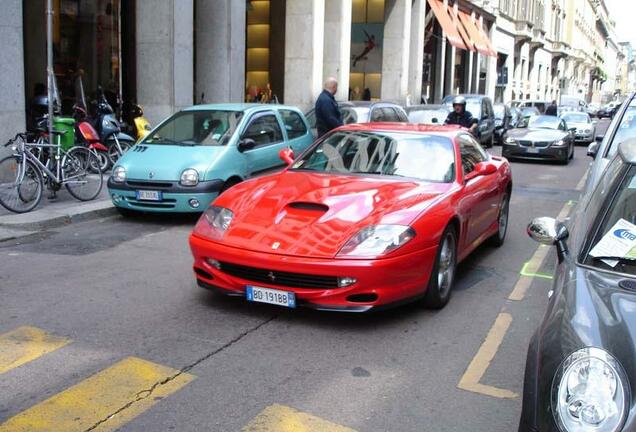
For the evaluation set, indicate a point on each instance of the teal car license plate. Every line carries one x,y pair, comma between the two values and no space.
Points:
270,296
149,195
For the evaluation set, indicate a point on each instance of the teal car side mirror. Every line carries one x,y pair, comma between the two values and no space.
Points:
246,144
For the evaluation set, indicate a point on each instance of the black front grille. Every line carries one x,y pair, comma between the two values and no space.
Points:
535,144
279,278
149,184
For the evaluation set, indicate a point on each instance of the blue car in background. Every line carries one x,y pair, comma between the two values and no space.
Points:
189,159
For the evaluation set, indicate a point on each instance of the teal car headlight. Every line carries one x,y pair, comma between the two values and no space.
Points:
590,392
119,174
189,177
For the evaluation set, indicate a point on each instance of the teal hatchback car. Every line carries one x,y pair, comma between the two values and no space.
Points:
194,155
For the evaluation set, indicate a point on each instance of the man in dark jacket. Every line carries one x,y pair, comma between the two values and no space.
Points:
328,115
459,115
551,110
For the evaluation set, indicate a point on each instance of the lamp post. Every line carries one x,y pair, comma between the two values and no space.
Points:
49,64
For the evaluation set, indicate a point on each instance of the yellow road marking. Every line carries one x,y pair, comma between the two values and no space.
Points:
581,184
96,398
532,266
280,418
480,363
26,344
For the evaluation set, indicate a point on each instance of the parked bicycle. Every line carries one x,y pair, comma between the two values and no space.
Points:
34,164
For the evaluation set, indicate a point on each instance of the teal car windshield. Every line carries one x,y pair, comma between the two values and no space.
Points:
390,154
197,128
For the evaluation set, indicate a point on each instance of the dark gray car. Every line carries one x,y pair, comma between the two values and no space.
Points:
481,108
581,364
539,137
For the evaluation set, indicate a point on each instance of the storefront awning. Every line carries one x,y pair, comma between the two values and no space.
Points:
477,36
460,28
449,28
491,48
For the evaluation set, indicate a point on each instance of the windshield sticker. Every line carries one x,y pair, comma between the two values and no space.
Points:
619,242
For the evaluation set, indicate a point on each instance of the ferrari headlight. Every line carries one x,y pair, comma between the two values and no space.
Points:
189,177
511,141
214,222
119,174
590,392
377,240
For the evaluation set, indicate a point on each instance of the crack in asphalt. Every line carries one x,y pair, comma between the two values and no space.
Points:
144,394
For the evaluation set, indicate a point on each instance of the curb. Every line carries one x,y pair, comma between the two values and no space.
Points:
55,218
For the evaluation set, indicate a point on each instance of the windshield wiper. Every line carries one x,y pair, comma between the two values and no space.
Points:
162,140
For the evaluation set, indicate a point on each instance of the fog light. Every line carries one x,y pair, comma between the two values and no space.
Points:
213,263
194,203
116,198
346,281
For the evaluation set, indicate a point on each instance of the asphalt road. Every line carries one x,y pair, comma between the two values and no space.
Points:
79,301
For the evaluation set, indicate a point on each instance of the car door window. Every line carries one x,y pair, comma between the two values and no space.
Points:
377,115
390,114
294,124
349,116
401,117
264,130
471,153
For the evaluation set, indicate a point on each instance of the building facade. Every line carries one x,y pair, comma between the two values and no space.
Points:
168,54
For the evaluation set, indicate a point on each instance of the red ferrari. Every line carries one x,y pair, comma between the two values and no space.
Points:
370,216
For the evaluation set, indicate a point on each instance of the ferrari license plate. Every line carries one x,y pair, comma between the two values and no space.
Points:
149,195
533,150
271,296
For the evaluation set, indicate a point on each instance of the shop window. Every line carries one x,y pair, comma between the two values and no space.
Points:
86,47
367,34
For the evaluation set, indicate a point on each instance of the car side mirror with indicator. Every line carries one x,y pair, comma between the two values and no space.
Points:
287,155
550,232
592,149
481,169
246,144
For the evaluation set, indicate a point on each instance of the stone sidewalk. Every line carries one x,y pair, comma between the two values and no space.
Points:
52,213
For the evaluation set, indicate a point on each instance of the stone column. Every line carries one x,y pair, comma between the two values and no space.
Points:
304,27
337,44
395,49
164,56
220,51
449,78
416,57
440,69
12,102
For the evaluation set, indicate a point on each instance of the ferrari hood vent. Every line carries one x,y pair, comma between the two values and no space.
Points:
308,206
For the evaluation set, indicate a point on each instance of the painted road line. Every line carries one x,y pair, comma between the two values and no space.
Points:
280,418
108,399
26,344
581,184
480,363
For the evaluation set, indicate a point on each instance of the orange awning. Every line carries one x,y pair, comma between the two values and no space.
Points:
476,36
491,48
460,28
449,28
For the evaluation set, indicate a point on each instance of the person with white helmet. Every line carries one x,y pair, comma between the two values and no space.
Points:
459,115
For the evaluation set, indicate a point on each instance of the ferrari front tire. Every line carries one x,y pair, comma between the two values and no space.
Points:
499,237
440,284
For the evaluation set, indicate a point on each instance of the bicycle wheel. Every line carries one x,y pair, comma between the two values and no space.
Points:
79,174
20,185
113,152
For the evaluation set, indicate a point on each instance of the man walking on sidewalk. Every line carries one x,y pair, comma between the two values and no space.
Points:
328,115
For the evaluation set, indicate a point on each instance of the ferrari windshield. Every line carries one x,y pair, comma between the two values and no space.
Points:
423,157
197,128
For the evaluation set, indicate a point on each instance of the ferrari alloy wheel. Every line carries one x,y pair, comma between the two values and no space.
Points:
442,278
502,223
